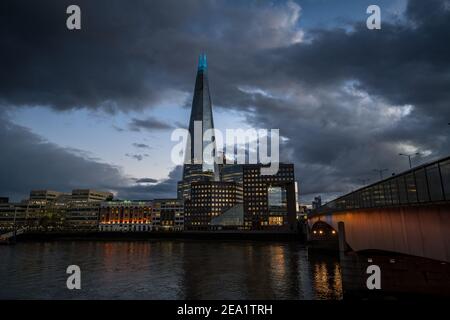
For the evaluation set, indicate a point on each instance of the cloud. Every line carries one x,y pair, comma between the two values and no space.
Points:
146,180
348,99
141,145
128,56
138,157
164,189
118,129
30,162
148,124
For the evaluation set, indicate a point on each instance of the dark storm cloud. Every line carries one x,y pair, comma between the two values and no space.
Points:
347,100
141,145
146,180
128,54
359,98
56,168
164,189
148,124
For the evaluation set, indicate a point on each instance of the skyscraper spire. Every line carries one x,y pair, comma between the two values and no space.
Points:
202,62
201,111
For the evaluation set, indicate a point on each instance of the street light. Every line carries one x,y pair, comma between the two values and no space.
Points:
380,171
409,157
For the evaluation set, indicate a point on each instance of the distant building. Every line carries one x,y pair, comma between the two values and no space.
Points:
269,200
82,210
90,195
44,196
125,216
12,214
48,210
45,210
209,199
316,203
168,215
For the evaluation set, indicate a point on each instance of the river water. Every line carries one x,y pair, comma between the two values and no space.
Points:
168,269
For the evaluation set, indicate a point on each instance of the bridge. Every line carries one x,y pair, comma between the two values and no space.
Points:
401,224
407,214
7,237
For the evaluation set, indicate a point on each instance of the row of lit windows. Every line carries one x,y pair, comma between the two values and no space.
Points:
124,221
215,196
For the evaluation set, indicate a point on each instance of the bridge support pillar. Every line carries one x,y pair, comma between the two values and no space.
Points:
341,235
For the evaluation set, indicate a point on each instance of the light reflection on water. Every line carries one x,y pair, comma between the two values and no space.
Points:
168,270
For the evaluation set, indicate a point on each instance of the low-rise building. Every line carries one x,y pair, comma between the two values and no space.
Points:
45,210
83,209
125,216
91,195
12,215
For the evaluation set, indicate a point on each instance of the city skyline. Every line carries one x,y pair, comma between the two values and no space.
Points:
234,152
103,119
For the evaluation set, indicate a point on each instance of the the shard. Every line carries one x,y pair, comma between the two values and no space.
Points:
195,168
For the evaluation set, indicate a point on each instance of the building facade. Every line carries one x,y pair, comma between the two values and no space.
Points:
234,173
269,200
125,216
209,199
168,215
83,209
47,210
12,215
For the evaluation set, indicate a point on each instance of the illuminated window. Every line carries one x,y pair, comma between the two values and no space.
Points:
276,221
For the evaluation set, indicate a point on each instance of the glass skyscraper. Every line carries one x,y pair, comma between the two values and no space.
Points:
195,168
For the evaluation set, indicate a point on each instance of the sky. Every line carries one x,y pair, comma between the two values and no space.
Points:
95,108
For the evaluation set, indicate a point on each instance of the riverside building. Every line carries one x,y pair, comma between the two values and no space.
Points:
168,215
125,216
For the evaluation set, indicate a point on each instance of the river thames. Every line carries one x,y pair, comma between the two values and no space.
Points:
168,269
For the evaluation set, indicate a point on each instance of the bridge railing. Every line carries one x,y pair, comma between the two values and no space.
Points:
428,183
11,234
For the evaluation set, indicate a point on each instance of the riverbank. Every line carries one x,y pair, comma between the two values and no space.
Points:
181,235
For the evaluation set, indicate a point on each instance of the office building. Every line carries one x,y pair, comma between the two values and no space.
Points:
269,200
82,210
195,168
234,173
209,199
44,196
90,195
168,215
45,210
12,215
